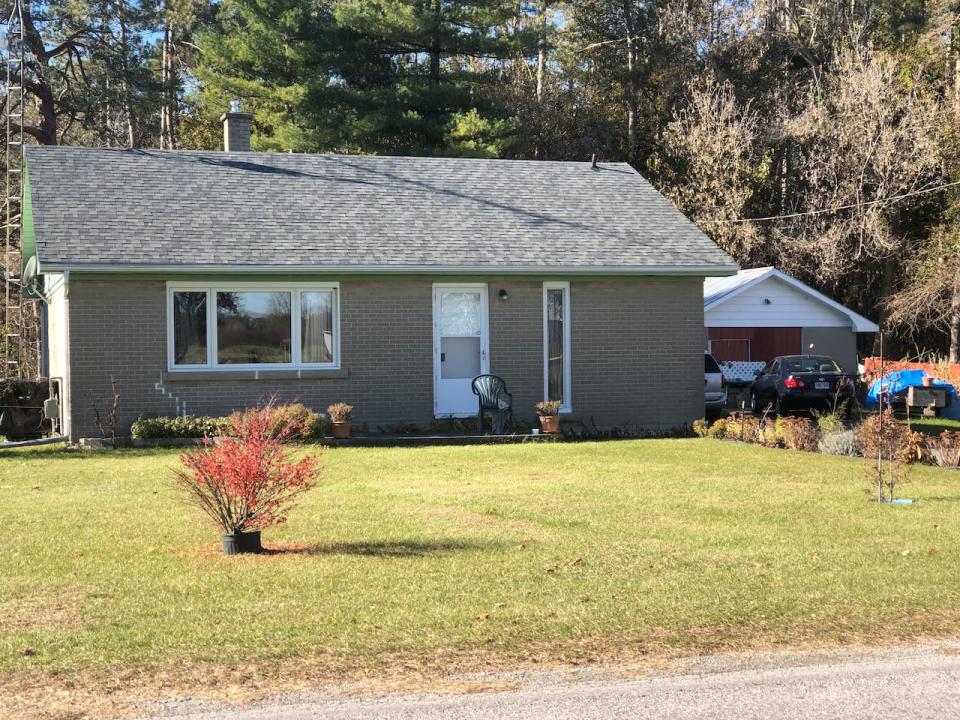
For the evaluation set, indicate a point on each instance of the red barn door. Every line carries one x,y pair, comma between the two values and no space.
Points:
754,344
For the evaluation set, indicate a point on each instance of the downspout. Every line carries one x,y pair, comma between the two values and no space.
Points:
66,416
44,340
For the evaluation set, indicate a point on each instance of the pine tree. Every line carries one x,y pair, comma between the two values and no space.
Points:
390,76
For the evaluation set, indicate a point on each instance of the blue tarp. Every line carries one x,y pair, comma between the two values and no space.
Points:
895,384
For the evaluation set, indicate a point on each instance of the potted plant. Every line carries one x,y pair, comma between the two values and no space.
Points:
549,413
339,414
247,482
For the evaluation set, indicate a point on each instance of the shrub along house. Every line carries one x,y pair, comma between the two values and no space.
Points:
203,282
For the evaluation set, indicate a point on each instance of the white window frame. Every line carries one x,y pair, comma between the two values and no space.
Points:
211,289
567,405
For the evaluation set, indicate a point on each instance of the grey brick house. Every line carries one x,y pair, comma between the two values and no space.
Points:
203,282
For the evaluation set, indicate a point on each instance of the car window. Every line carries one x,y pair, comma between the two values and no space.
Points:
710,365
774,367
813,364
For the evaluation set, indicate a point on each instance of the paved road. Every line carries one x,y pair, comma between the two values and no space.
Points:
917,682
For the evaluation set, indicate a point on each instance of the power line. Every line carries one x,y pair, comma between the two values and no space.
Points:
825,211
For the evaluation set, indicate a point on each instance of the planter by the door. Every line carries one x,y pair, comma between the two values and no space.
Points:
341,430
244,542
550,424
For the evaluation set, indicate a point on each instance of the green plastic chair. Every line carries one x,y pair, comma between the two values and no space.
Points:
493,397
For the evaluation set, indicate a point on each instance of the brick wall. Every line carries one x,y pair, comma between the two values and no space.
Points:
636,352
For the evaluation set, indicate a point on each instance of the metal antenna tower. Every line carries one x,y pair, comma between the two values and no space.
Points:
16,318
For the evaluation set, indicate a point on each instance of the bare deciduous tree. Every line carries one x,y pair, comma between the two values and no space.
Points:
713,143
867,137
931,295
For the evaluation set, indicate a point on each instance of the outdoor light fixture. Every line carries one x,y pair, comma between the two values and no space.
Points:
766,301
503,294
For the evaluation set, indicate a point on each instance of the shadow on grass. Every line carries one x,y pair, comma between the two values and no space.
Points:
62,452
399,549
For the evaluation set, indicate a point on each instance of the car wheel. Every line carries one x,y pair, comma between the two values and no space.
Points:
755,405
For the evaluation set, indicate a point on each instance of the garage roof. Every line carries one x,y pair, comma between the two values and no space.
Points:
718,290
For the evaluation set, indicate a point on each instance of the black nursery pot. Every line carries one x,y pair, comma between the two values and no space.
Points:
244,542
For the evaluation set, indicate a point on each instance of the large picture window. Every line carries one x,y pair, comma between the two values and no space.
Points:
250,325
556,343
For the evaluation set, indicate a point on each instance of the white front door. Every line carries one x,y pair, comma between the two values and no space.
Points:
459,347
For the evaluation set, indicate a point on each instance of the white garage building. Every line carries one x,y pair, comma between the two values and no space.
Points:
758,314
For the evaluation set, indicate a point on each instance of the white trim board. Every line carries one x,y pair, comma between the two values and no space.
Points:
583,270
567,405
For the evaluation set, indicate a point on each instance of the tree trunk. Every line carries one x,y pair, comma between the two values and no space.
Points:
541,64
435,50
955,322
45,132
887,270
633,92
167,109
127,94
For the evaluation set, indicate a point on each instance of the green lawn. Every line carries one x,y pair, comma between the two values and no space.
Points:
933,426
558,550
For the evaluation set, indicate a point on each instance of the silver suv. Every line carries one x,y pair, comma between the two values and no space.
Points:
715,385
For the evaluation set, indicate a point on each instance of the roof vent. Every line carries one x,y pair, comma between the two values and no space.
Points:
593,162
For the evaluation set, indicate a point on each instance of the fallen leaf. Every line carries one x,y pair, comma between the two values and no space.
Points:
552,568
481,617
26,651
905,553
35,487
932,551
577,563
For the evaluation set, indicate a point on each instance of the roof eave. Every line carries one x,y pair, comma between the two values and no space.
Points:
858,323
709,270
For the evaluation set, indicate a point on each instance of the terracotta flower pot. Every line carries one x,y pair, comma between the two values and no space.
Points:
341,430
550,424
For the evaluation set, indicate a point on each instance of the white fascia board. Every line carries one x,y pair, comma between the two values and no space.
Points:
657,270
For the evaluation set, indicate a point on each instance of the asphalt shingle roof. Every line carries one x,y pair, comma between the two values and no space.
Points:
137,208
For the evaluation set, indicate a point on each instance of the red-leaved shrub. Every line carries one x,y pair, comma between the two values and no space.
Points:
247,481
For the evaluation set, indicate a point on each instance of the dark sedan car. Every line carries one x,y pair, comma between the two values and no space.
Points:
800,382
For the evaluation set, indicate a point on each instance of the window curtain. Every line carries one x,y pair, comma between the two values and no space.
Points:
555,359
316,327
